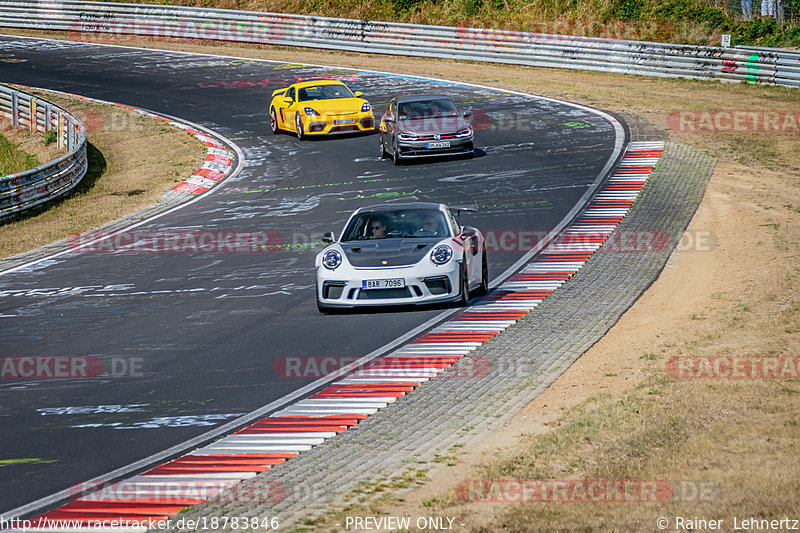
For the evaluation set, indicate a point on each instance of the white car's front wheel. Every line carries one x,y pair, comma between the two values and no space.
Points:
463,296
483,289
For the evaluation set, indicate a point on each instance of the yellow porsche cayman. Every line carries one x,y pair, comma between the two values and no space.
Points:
319,107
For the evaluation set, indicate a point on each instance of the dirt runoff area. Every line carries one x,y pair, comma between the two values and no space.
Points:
619,442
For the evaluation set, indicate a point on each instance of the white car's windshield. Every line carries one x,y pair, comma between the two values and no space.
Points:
324,92
403,223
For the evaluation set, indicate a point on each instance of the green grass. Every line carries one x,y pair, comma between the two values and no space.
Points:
13,160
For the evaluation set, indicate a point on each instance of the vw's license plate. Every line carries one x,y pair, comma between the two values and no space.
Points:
344,121
395,283
443,144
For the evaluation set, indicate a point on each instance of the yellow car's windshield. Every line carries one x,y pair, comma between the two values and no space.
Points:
324,92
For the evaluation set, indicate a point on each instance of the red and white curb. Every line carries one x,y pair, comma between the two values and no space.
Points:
342,404
218,163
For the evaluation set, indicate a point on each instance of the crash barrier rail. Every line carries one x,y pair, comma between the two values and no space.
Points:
114,20
22,191
787,62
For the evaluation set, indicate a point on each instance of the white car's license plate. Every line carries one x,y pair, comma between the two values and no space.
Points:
344,121
443,144
394,283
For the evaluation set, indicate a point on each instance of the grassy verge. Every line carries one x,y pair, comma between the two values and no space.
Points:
20,150
133,160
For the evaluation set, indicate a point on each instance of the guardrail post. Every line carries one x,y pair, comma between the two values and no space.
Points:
48,117
14,109
70,134
34,125
60,131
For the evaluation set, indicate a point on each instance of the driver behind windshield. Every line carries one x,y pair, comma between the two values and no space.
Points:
377,228
430,225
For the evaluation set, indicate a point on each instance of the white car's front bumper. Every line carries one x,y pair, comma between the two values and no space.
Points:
424,283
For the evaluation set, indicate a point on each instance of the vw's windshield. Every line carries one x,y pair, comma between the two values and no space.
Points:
440,107
403,223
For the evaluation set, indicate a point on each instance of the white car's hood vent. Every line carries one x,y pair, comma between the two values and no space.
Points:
387,252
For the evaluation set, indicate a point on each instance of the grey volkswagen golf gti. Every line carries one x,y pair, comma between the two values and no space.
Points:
424,126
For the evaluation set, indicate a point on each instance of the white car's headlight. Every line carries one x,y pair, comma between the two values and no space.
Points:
331,259
441,254
407,137
466,132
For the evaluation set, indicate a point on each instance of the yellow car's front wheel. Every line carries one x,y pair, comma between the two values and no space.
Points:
273,121
298,126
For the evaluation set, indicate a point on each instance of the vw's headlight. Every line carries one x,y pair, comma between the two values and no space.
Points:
407,137
365,107
466,132
441,254
310,112
331,259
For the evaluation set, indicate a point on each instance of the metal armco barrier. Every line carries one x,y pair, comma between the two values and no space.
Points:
787,63
22,191
109,21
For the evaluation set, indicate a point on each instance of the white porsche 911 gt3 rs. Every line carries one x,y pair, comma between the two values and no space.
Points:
400,254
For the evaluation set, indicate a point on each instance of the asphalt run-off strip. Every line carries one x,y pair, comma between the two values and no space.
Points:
208,472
